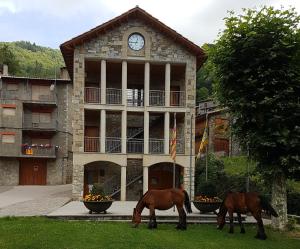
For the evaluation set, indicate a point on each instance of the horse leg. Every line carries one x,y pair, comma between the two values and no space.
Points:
230,212
260,226
240,222
182,218
152,219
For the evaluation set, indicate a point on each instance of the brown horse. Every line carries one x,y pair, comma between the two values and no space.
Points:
162,200
241,203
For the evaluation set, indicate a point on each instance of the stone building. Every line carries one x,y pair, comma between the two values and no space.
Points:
35,130
130,75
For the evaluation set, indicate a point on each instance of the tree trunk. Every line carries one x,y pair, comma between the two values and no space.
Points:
279,201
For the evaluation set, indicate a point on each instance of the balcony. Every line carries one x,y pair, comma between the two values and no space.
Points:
156,146
9,95
113,96
156,98
38,125
91,144
180,146
113,145
41,150
177,98
135,97
32,97
92,95
135,145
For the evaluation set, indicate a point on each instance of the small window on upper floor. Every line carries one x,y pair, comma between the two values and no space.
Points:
8,138
8,111
12,87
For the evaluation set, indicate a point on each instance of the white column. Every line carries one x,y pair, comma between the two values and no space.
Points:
124,131
167,84
147,83
167,132
103,82
124,83
102,131
145,179
123,183
146,132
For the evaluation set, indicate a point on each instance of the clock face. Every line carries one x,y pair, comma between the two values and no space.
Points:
136,41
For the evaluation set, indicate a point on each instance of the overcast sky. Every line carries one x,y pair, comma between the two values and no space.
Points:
52,22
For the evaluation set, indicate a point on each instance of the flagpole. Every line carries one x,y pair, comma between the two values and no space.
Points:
174,161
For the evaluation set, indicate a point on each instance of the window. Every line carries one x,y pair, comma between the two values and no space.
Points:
40,92
8,138
12,87
9,111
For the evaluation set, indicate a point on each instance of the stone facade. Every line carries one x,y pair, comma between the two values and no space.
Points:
112,46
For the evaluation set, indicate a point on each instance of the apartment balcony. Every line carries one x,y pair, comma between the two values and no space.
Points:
9,95
135,97
39,150
113,96
92,95
91,144
135,145
113,145
156,146
28,124
36,98
156,98
179,146
177,98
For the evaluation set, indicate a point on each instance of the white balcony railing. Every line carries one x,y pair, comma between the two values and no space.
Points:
92,95
177,98
156,98
156,146
113,96
91,144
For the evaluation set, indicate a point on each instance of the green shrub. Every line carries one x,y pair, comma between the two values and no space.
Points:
207,188
97,189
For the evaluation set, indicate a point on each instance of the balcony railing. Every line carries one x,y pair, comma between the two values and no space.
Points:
156,146
177,98
113,145
29,96
113,96
29,124
39,150
180,146
9,95
135,145
91,144
92,95
156,98
135,97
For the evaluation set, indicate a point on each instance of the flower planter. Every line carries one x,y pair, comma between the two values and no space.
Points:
207,207
97,206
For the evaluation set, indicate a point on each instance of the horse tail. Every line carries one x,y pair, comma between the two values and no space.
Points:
267,206
187,202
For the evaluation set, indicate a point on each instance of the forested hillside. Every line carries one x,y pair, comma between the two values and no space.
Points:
28,59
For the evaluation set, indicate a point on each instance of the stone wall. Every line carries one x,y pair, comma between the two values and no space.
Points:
9,168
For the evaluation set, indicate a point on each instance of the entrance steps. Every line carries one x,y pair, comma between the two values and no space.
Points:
122,211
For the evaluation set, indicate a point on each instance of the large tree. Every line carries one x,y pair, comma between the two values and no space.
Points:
7,57
257,60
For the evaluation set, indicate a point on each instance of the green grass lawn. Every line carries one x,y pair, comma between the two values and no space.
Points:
40,233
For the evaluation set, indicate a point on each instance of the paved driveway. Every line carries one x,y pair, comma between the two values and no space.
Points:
32,200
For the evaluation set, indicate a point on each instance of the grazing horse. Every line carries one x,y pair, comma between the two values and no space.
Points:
241,203
162,200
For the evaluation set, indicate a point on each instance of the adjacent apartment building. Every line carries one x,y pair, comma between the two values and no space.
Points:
35,130
130,76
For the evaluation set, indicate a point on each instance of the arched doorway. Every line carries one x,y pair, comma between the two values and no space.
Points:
161,176
107,174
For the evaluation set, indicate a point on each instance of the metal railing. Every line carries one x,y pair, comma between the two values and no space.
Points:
177,98
156,98
29,124
91,144
113,96
135,145
39,150
92,95
180,146
156,146
135,97
113,145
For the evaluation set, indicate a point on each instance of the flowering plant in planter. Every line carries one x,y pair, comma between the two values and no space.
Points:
96,201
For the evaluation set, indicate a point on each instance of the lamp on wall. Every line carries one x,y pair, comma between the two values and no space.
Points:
52,87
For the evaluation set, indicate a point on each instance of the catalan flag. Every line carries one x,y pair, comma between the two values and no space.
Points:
204,140
173,140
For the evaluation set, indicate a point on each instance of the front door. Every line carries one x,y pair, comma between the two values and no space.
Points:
33,172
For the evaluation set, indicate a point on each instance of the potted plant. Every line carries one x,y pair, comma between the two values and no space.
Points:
207,201
96,201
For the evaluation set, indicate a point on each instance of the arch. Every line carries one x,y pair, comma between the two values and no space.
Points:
105,173
160,176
